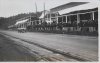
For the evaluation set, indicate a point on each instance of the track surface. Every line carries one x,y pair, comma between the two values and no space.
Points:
15,49
9,51
83,46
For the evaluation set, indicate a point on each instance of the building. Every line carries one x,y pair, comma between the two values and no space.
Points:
72,14
84,18
26,22
53,13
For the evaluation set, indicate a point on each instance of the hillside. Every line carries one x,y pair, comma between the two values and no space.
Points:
5,22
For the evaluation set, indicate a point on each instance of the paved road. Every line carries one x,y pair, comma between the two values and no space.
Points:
9,51
83,46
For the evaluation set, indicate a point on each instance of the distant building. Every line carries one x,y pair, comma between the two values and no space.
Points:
49,17
26,22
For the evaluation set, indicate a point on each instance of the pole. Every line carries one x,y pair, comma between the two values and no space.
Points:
44,12
36,8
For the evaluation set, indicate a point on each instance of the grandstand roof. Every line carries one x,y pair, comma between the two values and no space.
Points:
22,21
78,8
66,6
82,11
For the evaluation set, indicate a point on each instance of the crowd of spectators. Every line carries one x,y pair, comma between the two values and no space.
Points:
60,25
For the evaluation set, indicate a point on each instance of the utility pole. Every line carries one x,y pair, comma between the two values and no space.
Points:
36,8
44,12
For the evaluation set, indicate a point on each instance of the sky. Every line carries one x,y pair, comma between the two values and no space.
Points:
14,7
